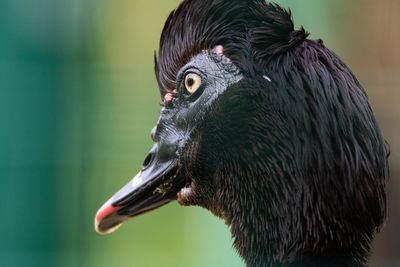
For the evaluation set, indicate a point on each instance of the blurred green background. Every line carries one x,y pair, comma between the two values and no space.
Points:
79,98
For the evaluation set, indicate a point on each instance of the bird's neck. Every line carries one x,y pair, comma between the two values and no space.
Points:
324,261
258,257
265,247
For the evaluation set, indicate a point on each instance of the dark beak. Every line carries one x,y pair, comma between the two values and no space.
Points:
155,185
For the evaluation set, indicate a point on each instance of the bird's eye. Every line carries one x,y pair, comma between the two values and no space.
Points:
192,82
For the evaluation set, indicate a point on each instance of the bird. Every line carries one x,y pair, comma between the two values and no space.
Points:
267,129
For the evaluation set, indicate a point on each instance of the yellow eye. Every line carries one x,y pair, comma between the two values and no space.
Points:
192,82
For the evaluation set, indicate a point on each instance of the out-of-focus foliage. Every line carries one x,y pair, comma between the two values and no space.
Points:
78,100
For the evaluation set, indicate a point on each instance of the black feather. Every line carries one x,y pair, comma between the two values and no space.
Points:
248,30
301,167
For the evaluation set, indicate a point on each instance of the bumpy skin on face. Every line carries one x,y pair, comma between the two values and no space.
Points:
279,140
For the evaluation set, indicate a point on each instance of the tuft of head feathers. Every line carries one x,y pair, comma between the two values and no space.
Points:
252,33
317,168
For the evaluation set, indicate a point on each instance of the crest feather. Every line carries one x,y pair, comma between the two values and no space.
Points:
250,31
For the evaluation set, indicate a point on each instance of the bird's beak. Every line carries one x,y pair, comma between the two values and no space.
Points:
155,185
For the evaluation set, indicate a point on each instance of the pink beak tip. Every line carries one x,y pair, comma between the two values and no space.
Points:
106,210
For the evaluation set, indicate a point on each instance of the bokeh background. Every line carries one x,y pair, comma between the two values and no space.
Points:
78,99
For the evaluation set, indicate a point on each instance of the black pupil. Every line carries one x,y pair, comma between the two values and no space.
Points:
190,82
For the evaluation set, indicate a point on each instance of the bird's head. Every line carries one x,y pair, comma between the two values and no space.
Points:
266,129
167,170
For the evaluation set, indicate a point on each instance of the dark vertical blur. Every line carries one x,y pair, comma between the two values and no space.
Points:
78,99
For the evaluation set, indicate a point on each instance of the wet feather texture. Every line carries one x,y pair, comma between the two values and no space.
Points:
306,172
279,140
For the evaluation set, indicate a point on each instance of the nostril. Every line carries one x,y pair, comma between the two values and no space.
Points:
147,160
